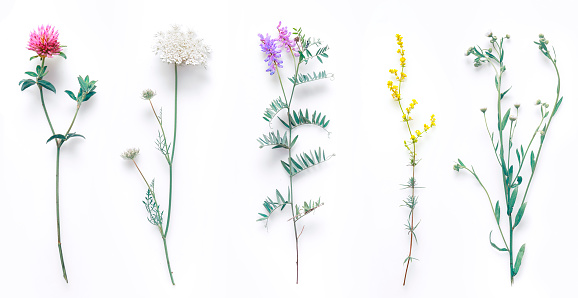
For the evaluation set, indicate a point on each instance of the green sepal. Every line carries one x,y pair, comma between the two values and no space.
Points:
33,57
519,259
494,245
25,83
47,85
519,215
57,136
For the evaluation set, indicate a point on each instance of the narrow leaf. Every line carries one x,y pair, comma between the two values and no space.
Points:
497,212
520,214
519,258
26,83
494,245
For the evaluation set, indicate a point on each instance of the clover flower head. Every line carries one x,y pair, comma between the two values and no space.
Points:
130,154
44,42
269,46
148,94
178,47
290,45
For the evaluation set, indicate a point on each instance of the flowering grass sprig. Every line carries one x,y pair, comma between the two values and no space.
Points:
410,145
178,48
503,143
45,43
299,49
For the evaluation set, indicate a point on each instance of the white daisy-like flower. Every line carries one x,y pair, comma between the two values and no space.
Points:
175,46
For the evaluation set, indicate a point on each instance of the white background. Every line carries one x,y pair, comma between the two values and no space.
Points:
351,247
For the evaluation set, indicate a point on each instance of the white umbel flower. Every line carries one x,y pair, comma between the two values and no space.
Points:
175,46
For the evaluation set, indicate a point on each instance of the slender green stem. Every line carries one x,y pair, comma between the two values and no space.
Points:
491,139
58,212
73,119
293,217
545,131
167,255
491,206
172,158
511,250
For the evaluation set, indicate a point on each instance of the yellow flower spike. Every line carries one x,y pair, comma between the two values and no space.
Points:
402,59
418,133
414,101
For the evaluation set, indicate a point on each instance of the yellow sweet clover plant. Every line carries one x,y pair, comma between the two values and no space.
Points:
411,146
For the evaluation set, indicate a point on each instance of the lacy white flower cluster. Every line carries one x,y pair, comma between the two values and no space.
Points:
180,48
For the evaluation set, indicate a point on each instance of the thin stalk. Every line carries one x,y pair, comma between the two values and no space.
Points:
491,206
42,100
413,164
163,235
288,102
490,135
172,158
167,255
58,212
411,231
73,119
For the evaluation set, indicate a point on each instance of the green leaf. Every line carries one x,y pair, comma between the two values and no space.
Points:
532,161
26,83
47,85
518,155
512,200
504,94
497,212
275,107
519,258
73,135
31,73
88,95
494,245
71,94
57,136
61,54
461,163
520,214
505,120
33,57
557,106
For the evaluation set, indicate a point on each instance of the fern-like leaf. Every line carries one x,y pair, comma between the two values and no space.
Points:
307,208
155,216
305,161
271,205
298,119
274,108
276,140
306,78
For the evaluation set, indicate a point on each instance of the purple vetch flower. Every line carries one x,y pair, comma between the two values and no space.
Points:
269,46
286,41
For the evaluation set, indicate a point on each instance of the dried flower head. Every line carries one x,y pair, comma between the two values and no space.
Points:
148,94
44,42
484,109
130,154
175,46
